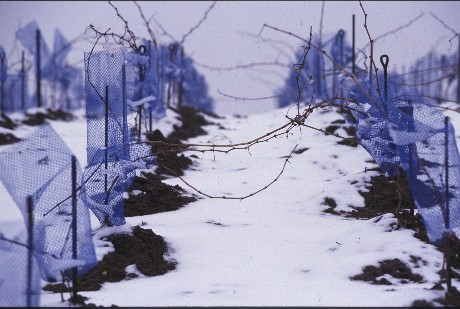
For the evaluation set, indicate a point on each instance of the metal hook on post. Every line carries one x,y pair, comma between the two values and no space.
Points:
384,59
341,36
142,50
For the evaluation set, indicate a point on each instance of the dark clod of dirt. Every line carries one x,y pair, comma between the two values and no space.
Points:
301,150
8,138
422,303
156,196
168,159
451,299
395,268
192,123
332,205
39,118
6,122
144,248
383,197
349,129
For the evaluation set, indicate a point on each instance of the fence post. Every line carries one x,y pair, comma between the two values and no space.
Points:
30,252
2,59
39,95
23,82
74,226
384,61
458,72
447,236
353,45
106,143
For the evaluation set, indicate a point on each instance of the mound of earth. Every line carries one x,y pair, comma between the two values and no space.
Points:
148,195
39,118
144,249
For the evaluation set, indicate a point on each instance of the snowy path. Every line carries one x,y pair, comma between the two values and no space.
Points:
277,247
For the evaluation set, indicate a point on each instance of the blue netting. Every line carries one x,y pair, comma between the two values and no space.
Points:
27,36
142,81
400,129
15,92
320,77
112,156
194,87
17,288
40,166
3,78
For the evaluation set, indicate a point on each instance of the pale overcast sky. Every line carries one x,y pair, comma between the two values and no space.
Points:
221,39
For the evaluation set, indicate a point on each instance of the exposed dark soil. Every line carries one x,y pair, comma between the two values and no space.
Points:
6,122
39,118
395,268
383,197
156,196
169,160
8,138
349,129
144,249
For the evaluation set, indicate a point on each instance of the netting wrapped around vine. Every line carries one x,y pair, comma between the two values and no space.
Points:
20,285
111,154
400,129
40,165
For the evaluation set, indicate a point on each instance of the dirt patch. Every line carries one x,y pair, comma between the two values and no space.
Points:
383,197
332,204
192,125
6,122
8,138
395,268
170,161
348,128
144,249
39,118
154,196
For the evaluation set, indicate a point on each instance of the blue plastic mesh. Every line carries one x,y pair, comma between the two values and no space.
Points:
105,76
27,36
18,290
320,77
194,87
400,129
15,88
40,166
112,155
143,89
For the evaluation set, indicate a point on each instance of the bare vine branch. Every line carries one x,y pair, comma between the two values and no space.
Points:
232,197
182,41
242,66
147,24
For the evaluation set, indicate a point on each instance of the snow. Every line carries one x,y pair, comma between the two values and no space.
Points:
276,248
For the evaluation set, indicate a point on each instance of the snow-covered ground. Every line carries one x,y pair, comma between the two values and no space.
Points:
276,248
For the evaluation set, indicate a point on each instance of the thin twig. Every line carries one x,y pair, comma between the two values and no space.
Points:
147,24
231,197
182,41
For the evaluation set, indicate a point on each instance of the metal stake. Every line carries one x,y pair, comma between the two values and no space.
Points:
31,249
74,225
353,47
39,95
384,61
